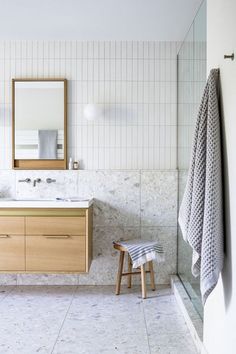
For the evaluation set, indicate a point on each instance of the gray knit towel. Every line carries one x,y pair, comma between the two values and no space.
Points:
47,141
142,251
201,211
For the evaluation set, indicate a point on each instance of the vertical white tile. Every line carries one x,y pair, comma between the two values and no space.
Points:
134,81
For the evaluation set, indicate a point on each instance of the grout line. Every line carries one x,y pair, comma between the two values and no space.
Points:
140,203
63,322
145,322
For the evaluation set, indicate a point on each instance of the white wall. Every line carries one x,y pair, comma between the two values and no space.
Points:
159,20
220,309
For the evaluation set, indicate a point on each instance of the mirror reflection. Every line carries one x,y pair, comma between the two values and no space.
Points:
39,119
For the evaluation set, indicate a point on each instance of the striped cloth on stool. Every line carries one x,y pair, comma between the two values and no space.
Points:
142,251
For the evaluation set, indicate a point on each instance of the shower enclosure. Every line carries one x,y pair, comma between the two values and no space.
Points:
191,82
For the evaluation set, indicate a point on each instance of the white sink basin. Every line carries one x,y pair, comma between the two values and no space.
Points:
33,200
45,203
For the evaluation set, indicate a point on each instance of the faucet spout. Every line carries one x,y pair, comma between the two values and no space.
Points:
37,180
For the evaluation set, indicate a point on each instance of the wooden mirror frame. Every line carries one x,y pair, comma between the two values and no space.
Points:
40,164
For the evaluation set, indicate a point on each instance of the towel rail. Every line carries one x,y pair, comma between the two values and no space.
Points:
229,56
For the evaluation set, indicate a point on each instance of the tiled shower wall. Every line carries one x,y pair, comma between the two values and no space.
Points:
133,82
128,157
191,82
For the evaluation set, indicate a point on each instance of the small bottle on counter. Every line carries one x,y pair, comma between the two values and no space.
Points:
76,165
70,163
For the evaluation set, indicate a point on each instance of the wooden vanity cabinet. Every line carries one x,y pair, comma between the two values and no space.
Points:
52,240
12,244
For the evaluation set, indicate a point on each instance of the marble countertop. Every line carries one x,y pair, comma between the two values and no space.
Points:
45,203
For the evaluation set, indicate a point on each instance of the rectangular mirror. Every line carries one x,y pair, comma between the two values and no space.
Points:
39,121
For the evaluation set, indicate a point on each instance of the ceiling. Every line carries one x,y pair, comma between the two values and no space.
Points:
96,19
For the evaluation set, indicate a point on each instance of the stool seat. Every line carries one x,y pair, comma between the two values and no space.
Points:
119,247
130,273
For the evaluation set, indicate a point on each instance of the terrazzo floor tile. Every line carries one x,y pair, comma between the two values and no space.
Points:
100,322
91,320
31,318
166,327
5,290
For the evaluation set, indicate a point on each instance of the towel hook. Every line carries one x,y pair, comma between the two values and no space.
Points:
231,56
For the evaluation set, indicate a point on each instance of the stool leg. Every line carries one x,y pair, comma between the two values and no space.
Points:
152,275
143,281
129,270
119,274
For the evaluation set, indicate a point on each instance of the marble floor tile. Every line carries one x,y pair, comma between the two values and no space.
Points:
90,320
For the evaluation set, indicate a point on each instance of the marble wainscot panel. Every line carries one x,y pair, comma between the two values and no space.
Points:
65,186
184,250
117,196
127,204
119,193
167,236
8,279
7,184
47,279
116,216
159,198
182,180
7,190
105,258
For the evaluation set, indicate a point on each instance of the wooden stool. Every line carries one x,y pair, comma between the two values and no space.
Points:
129,274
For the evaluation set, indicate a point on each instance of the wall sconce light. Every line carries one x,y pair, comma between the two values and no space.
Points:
92,112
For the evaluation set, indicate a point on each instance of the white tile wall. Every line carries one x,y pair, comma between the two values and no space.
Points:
134,82
191,82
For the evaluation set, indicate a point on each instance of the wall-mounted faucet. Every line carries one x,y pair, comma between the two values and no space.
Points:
37,180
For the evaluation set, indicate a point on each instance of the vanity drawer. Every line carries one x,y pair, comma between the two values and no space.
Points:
12,252
69,225
12,225
55,253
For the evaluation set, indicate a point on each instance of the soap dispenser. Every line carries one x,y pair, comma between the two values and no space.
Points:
70,163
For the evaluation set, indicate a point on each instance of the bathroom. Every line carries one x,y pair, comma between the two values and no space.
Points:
98,109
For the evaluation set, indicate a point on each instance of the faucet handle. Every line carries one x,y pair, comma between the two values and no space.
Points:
50,180
26,180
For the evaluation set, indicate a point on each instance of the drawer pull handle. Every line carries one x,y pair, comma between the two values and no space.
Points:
4,236
57,236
